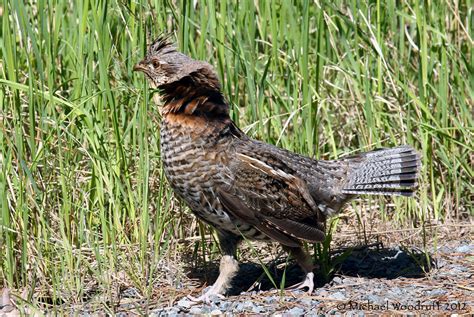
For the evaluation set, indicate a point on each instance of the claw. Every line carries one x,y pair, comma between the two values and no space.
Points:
205,298
307,282
228,268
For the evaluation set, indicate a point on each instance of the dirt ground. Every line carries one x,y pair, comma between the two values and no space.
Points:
384,271
376,270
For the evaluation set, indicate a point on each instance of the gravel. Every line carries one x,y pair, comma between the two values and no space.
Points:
388,280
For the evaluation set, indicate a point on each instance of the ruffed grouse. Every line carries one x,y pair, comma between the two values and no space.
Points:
246,188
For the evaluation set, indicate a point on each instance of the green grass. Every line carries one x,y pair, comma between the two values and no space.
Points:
83,198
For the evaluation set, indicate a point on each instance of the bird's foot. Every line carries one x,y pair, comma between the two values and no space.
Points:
207,297
307,282
228,268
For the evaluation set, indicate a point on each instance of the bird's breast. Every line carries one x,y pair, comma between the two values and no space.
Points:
189,168
195,165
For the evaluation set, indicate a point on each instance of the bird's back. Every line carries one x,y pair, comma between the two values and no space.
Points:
323,179
331,183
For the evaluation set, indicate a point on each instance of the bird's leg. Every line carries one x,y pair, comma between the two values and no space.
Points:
304,261
227,269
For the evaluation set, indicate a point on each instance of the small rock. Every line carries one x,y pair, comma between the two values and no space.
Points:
440,263
184,303
216,312
213,306
239,307
396,290
444,249
248,306
374,299
171,311
152,313
337,280
131,293
306,302
322,292
458,268
205,310
257,309
337,295
436,292
298,292
465,249
195,310
271,299
315,303
296,311
214,299
347,281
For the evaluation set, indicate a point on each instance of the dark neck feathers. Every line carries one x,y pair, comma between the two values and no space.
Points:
196,94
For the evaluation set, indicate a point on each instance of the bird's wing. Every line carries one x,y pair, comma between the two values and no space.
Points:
273,201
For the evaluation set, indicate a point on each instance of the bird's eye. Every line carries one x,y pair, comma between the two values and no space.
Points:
156,63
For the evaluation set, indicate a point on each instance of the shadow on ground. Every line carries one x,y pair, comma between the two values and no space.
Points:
365,261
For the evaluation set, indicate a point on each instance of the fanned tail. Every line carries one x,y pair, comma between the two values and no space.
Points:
384,172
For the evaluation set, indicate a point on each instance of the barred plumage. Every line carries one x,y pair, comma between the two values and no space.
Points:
246,188
385,172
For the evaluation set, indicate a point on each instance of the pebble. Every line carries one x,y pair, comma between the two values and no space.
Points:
444,249
337,280
375,299
296,311
225,305
172,309
184,303
271,299
458,268
214,299
465,249
337,295
248,305
239,307
216,312
206,309
436,292
131,292
322,292
397,290
441,263
258,309
195,310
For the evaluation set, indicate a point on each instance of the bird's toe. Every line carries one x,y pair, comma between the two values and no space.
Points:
306,283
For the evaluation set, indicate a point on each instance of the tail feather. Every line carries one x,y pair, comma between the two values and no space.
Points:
397,171
384,172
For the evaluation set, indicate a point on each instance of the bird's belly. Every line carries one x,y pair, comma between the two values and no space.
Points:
203,202
193,177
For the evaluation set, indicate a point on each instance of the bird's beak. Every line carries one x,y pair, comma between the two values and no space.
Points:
140,67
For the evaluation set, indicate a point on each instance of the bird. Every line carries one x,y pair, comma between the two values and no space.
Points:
248,189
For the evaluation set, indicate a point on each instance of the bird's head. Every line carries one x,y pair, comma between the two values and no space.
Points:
164,65
185,85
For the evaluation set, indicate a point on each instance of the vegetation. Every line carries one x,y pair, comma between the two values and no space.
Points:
84,201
